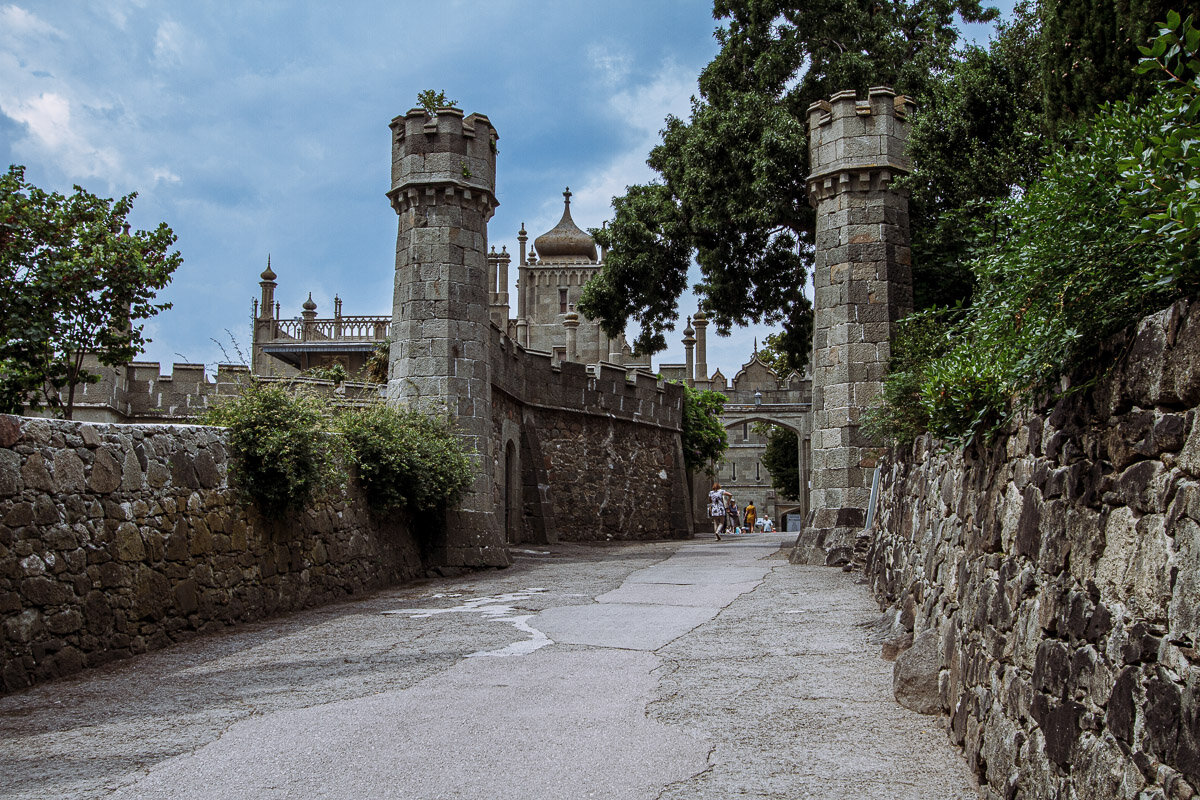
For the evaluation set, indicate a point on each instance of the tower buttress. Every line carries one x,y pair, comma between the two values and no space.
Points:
443,191
862,281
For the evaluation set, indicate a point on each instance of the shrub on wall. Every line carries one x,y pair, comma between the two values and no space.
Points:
282,456
405,460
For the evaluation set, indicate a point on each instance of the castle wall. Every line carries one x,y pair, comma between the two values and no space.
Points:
118,539
599,449
1054,580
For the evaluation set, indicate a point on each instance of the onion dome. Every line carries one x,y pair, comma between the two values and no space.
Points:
565,240
309,305
268,274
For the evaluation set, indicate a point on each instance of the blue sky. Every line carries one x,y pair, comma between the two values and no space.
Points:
261,127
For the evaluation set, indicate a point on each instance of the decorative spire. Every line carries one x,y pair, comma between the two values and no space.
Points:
268,274
567,195
755,345
309,305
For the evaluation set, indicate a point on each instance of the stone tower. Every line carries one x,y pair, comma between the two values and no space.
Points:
443,189
862,277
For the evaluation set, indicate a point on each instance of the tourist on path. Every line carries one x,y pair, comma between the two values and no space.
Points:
751,517
717,509
735,517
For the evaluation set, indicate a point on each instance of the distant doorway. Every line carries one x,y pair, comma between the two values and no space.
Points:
512,494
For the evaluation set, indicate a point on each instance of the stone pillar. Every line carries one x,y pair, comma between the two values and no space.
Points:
863,284
701,323
571,323
443,189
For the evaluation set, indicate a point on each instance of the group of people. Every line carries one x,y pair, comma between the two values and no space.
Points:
725,515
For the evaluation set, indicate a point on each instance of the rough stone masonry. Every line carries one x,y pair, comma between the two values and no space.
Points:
863,283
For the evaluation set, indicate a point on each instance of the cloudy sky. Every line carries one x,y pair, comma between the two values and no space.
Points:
261,127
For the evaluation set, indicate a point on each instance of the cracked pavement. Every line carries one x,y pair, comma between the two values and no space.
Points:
657,670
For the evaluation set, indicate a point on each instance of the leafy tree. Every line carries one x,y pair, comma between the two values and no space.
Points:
431,101
704,438
978,135
733,174
781,457
1091,50
73,282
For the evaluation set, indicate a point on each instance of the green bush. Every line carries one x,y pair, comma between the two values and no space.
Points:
282,456
405,459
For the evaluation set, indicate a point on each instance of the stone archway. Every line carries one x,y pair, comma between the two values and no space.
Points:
794,418
512,493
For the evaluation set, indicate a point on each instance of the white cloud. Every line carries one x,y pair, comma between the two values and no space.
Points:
612,64
17,23
169,42
47,118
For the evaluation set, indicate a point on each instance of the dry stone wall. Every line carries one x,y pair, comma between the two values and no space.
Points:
118,539
1055,578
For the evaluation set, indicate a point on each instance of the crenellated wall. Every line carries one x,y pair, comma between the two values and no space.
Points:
1053,580
118,539
585,452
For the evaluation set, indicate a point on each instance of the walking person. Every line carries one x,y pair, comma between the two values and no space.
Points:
751,516
716,508
735,519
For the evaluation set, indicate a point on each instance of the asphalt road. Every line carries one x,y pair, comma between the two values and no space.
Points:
664,670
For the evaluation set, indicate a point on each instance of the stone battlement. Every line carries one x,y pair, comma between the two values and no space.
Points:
443,149
856,144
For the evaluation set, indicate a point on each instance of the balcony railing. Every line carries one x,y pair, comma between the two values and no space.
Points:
338,329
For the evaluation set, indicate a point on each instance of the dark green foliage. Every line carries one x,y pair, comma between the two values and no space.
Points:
1061,269
1091,49
406,460
335,372
282,455
704,438
658,255
733,189
1161,179
781,457
919,340
978,134
379,362
73,281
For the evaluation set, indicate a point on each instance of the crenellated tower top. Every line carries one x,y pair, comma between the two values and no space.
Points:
858,144
446,150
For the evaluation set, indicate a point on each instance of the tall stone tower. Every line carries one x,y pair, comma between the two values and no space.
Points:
443,189
862,276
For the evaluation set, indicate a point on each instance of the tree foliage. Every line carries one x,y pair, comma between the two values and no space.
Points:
1091,49
406,460
703,437
1104,236
781,457
431,100
73,281
732,188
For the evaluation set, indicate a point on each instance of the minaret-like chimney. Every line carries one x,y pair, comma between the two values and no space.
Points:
701,323
689,342
268,290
